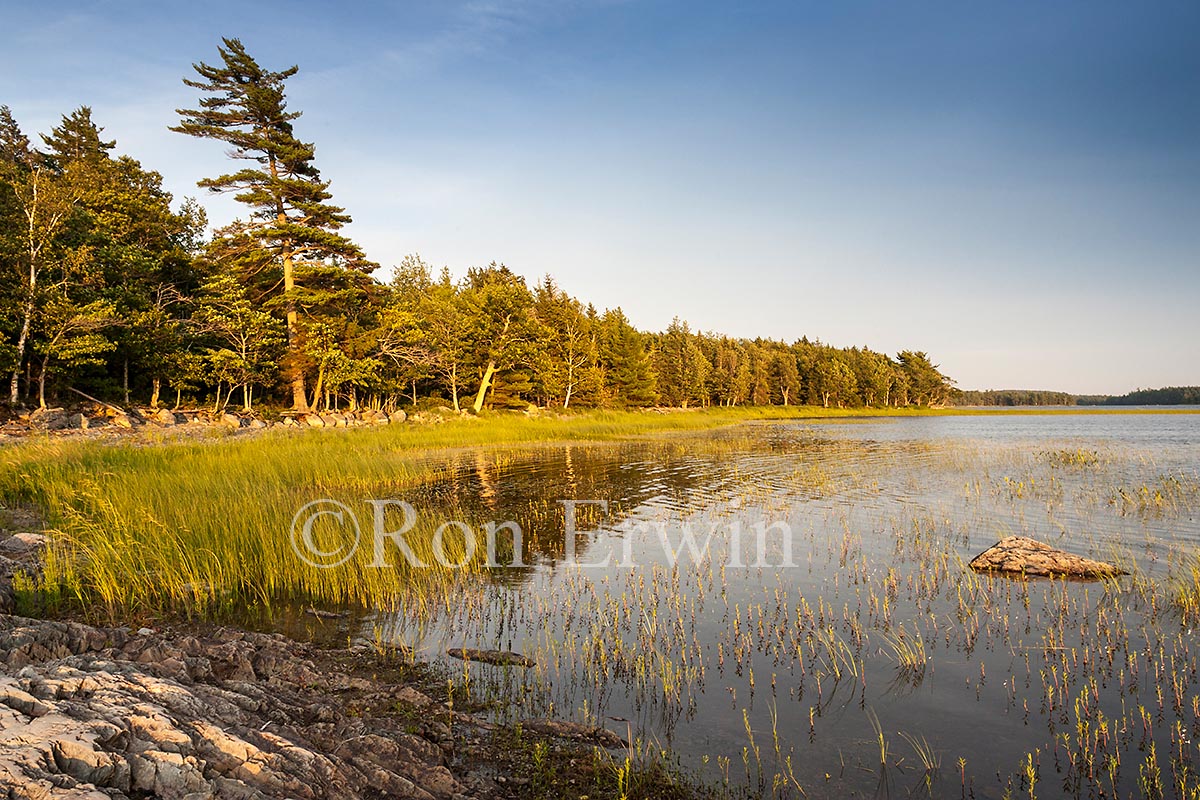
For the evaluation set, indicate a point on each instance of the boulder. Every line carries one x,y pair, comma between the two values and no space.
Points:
121,421
314,420
397,417
1024,556
24,544
256,424
164,416
79,422
230,421
50,419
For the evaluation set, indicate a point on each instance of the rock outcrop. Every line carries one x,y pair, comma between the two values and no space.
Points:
101,713
1025,556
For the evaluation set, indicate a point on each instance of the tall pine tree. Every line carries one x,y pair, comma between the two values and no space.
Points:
244,106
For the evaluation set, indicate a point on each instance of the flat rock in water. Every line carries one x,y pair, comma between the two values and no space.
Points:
503,658
573,730
1025,556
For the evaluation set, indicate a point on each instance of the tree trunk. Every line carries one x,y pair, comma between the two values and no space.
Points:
414,394
454,386
125,380
320,387
484,385
22,340
299,398
156,383
42,383
245,396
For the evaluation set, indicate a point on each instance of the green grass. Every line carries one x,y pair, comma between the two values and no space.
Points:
201,525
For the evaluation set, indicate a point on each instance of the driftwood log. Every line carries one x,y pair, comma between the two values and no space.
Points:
502,658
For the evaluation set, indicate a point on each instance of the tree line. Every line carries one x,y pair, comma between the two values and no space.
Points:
111,288
1011,397
1167,396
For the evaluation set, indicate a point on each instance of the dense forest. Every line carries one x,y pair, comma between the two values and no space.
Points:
1011,397
111,288
1171,395
1168,396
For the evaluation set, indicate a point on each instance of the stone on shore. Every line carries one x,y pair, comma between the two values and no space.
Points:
164,416
1024,556
50,419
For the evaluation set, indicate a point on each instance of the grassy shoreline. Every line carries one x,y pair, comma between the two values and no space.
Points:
145,525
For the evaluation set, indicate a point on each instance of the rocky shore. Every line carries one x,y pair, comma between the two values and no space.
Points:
99,418
205,712
90,712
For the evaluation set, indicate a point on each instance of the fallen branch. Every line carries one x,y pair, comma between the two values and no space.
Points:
95,400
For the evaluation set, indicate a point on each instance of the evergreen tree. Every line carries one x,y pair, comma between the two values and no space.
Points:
681,366
77,138
245,106
14,145
627,374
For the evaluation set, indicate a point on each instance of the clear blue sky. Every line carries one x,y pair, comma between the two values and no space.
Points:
1013,187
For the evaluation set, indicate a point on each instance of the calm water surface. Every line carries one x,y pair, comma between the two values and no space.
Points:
772,676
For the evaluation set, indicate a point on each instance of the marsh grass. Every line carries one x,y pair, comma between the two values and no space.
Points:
203,526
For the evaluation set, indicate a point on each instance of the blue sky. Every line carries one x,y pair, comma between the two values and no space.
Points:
1013,187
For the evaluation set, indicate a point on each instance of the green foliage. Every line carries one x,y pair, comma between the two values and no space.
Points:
111,287
246,342
1012,397
291,217
1168,396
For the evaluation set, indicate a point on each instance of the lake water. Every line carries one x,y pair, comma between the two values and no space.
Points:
821,636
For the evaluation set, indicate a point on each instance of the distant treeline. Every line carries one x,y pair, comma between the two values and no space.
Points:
109,287
1168,396
1012,397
